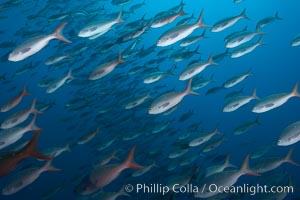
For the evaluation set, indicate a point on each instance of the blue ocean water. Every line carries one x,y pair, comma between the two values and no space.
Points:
101,103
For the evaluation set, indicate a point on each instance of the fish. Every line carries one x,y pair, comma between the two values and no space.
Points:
56,151
237,79
167,19
56,59
219,168
235,34
169,100
233,94
214,90
237,102
55,85
246,49
192,39
106,159
36,44
275,101
143,171
105,68
196,68
97,29
290,135
185,20
12,135
268,20
137,101
15,101
246,126
178,33
224,179
271,163
202,82
241,39
261,151
104,175
228,22
19,117
159,75
88,137
296,41
26,177
202,138
10,160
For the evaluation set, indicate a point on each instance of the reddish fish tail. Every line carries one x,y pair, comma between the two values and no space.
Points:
25,91
211,60
119,18
32,126
200,22
254,94
31,150
120,60
245,167
188,89
129,162
49,167
288,158
295,91
58,33
33,109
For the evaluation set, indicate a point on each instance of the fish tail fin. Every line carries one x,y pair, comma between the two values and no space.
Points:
58,33
129,162
260,41
188,89
70,76
48,167
245,167
257,120
216,132
244,15
68,149
227,162
288,158
200,22
25,91
119,17
254,95
154,164
31,149
245,28
122,192
277,16
196,51
211,60
295,91
114,156
97,130
32,126
171,71
148,96
33,109
203,35
181,11
120,59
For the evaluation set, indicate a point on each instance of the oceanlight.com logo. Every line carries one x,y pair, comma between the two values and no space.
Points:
212,188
